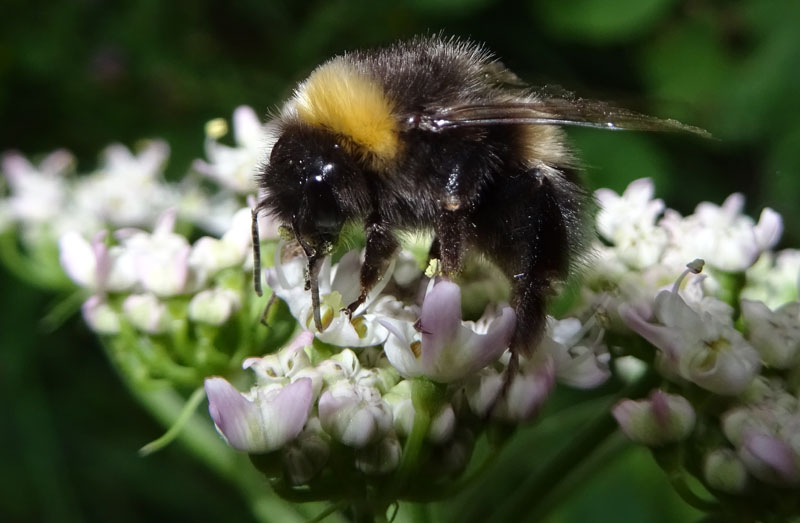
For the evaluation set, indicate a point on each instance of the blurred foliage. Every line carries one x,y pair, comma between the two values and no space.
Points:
81,74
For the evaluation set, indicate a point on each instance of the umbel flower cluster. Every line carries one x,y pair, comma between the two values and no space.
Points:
699,312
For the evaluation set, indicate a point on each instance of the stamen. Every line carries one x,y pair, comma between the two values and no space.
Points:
694,267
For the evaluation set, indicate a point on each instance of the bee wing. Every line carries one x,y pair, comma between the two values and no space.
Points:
550,111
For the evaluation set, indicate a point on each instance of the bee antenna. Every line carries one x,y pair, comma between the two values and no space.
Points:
256,251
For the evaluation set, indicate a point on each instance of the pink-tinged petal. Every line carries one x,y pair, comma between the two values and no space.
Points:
665,338
482,349
102,258
528,391
16,167
166,222
440,319
285,414
269,422
234,415
77,259
770,459
662,418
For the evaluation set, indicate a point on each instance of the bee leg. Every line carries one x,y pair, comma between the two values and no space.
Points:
381,247
533,244
450,232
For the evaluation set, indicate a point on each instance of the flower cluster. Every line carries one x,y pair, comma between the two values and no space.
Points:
41,202
388,401
725,342
390,382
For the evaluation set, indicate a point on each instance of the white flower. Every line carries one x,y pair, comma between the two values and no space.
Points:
721,235
354,415
635,206
147,313
776,334
99,315
210,255
95,265
443,347
629,223
774,279
213,306
38,193
161,259
264,420
288,365
699,346
528,390
579,362
235,167
338,287
127,190
765,437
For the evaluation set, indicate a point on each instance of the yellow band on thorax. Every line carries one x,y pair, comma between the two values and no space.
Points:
349,103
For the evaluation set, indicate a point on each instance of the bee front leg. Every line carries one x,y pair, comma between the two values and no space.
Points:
381,247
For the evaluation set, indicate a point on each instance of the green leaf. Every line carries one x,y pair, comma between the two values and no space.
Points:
599,20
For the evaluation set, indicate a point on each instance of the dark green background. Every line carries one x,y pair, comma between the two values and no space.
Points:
81,74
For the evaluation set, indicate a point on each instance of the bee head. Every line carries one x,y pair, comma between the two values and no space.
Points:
312,186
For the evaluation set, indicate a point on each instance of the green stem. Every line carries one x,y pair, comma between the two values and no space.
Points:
534,493
198,437
174,431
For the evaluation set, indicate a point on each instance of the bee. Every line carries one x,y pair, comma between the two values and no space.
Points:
435,134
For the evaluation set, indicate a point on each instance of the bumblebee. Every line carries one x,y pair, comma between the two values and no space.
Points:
436,134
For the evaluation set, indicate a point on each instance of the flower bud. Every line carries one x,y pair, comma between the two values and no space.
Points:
305,457
213,306
770,459
99,315
147,313
442,422
775,334
528,390
355,416
381,457
724,471
661,419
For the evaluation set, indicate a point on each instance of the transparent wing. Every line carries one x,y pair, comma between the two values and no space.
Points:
550,111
